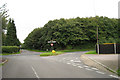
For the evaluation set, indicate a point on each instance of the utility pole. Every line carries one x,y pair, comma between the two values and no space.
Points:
97,41
96,29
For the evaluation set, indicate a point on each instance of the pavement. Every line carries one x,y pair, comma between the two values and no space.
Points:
106,62
29,64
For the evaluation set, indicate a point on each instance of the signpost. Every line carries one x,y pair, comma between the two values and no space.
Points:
51,43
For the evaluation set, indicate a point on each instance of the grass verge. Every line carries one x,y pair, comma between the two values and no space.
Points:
67,50
75,50
1,64
51,54
62,51
91,52
118,71
9,53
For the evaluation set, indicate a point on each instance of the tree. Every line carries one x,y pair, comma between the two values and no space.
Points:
11,37
3,20
73,33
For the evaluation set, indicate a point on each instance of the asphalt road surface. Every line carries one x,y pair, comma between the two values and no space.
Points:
29,64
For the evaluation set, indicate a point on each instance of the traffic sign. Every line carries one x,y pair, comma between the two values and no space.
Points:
51,44
51,41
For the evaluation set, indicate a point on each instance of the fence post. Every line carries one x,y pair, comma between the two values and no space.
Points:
115,48
98,48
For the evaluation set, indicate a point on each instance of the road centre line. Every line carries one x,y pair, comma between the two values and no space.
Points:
94,68
35,72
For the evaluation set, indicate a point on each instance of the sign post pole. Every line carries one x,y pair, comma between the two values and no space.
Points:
51,43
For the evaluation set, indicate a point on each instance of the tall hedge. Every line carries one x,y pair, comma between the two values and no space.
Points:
10,49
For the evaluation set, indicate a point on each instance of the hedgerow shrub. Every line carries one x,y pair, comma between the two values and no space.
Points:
10,49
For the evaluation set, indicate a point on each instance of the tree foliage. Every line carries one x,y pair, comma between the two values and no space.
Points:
73,33
11,37
8,26
3,20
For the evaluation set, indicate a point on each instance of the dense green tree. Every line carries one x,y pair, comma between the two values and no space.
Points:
118,29
3,20
73,33
11,37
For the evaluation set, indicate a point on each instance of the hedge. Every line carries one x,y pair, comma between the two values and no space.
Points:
10,49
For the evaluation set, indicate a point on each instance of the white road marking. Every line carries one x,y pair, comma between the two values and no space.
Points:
80,66
74,65
94,68
85,66
88,69
68,63
77,61
76,58
35,72
71,60
100,72
114,76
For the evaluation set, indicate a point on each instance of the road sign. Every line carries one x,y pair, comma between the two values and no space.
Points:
51,44
51,41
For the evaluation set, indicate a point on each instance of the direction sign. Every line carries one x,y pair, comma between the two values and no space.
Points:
51,41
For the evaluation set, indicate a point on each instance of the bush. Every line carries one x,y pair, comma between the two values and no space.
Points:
10,49
91,52
118,71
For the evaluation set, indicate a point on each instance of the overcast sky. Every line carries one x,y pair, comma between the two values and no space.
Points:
31,14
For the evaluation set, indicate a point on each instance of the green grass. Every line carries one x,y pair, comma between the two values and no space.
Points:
1,64
62,51
91,52
9,53
51,54
66,50
75,50
118,71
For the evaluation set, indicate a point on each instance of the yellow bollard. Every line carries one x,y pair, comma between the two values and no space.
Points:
53,51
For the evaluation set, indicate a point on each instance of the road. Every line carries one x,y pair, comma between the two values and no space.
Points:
29,64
